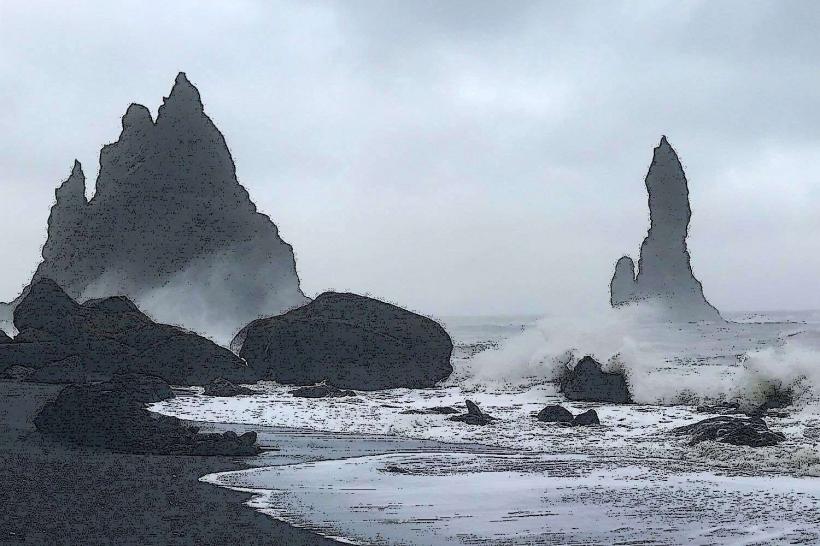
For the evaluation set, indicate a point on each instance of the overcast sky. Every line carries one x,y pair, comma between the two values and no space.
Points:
454,157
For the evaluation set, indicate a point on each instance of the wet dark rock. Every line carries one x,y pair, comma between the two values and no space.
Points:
434,410
145,388
4,337
68,370
17,373
775,399
664,273
587,418
722,408
751,432
113,416
587,382
214,262
555,414
223,387
350,341
474,415
112,336
322,390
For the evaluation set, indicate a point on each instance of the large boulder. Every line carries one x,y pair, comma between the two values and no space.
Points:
350,341
113,416
68,370
170,226
738,431
664,274
588,382
112,336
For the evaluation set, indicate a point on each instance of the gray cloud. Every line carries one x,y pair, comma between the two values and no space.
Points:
455,157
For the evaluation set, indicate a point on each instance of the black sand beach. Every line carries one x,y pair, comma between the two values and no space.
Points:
53,494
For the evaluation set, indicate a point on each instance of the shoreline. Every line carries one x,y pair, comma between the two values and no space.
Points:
58,494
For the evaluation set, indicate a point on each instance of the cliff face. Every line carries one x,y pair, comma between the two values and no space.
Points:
664,273
170,227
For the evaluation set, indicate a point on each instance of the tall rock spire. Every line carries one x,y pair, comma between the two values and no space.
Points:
664,273
171,227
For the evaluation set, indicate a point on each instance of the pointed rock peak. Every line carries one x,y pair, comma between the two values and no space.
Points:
136,116
74,186
184,97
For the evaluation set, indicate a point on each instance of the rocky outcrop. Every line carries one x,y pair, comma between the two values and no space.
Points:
322,390
4,337
170,227
585,419
555,414
664,275
112,416
562,416
434,410
350,341
751,432
68,370
474,415
112,336
588,382
223,387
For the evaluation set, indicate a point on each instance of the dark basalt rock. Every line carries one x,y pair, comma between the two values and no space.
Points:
322,390
170,227
223,387
435,410
587,418
68,370
113,416
587,382
4,337
555,414
751,432
664,274
145,388
350,341
112,336
17,373
474,415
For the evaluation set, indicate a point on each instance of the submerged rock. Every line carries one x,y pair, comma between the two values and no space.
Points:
112,416
589,417
214,262
112,336
664,274
555,414
751,432
223,387
562,416
322,390
350,341
434,410
474,415
587,382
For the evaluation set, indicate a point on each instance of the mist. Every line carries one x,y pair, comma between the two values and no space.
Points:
458,158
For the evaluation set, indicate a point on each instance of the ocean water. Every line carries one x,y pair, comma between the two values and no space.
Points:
629,480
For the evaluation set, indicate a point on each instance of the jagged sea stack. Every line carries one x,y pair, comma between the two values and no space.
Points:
170,227
664,273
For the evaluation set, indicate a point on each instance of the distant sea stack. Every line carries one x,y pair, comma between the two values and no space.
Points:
664,273
170,227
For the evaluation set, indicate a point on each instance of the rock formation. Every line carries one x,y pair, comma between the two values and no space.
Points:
322,390
350,341
222,387
104,337
587,382
170,227
737,431
664,273
474,415
112,415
